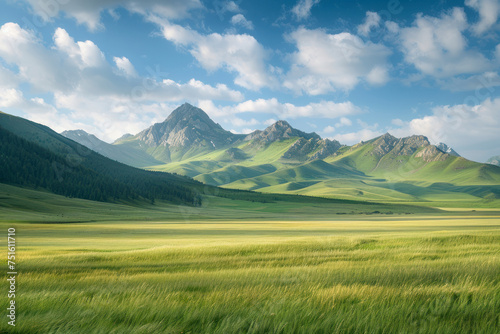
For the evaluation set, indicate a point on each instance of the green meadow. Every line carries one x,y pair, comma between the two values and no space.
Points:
263,268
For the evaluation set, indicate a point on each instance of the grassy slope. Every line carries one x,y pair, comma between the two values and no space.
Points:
26,205
236,266
354,174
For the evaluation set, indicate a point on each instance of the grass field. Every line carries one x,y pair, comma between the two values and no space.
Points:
432,273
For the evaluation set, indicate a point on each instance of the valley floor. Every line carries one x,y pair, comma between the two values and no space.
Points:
428,273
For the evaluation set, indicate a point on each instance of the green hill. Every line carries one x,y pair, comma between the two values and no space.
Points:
281,159
33,155
385,169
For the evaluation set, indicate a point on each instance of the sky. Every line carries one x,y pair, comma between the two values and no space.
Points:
347,70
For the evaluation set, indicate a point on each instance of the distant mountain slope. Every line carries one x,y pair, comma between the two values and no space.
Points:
286,160
414,158
494,160
35,156
126,155
446,149
386,169
188,131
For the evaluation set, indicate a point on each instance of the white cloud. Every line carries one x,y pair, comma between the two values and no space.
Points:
488,10
372,20
392,27
482,84
329,129
437,46
398,122
236,53
326,62
323,109
470,130
124,65
85,88
36,109
356,137
344,121
231,6
269,122
88,12
302,10
240,20
243,131
7,78
44,69
239,122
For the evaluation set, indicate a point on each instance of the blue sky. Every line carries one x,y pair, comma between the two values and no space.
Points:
348,70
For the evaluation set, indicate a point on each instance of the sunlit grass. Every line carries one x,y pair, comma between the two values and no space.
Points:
416,274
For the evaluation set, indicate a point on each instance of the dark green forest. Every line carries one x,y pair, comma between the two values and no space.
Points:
88,176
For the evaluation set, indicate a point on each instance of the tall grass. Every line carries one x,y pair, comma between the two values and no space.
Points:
381,277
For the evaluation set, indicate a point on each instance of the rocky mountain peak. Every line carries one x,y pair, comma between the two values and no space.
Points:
279,131
183,127
446,149
404,146
187,128
124,137
84,138
188,112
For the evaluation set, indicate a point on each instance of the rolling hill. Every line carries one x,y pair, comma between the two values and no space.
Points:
32,155
128,156
38,161
281,159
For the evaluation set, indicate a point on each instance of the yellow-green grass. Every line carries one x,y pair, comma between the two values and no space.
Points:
392,274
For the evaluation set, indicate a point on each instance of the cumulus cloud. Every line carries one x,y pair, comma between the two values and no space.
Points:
240,53
323,109
483,84
36,109
124,65
269,121
88,12
470,130
240,20
326,62
356,137
344,121
329,129
239,122
488,10
436,46
83,84
302,10
231,6
372,20
43,68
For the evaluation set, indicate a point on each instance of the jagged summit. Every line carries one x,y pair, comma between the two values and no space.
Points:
185,126
186,131
186,112
398,146
129,156
446,149
84,138
124,137
280,130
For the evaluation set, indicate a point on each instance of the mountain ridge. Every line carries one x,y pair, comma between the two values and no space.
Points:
34,155
286,160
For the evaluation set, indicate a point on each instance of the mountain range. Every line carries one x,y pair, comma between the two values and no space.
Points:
282,159
494,160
